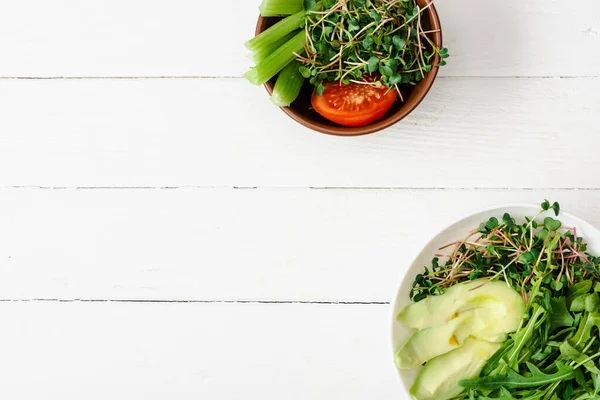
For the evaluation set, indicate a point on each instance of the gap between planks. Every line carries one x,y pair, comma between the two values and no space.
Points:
343,303
390,188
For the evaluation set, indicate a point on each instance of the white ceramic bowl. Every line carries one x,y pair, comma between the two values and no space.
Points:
457,231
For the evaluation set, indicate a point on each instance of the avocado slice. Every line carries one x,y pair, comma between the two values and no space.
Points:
438,380
439,310
423,345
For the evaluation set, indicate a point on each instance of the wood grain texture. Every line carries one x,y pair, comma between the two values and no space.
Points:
184,287
469,132
227,244
69,351
191,38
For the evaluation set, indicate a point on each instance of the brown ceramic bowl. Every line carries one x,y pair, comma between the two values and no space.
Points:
302,111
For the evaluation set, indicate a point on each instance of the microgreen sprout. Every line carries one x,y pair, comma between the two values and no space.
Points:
375,42
520,254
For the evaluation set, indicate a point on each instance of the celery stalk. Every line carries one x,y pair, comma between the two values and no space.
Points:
265,51
288,85
274,8
274,63
276,32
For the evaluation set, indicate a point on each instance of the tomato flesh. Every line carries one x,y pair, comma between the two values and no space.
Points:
354,104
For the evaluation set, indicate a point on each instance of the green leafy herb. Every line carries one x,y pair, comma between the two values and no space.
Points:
515,381
521,254
559,315
351,40
554,354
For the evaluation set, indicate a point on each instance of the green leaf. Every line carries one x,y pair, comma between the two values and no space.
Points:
530,257
395,79
543,235
558,315
578,303
375,15
393,64
385,70
571,353
592,302
556,286
545,205
584,330
515,381
419,297
506,395
353,25
523,336
567,391
579,378
553,243
310,5
494,360
491,223
556,208
508,220
373,64
320,89
399,42
367,42
552,224
578,289
305,72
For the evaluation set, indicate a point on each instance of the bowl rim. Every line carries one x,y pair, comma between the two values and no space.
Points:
404,275
383,123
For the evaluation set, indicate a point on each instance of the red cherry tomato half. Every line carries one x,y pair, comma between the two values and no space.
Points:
354,104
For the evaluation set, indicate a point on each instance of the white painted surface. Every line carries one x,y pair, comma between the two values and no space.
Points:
500,125
205,38
230,244
69,351
164,132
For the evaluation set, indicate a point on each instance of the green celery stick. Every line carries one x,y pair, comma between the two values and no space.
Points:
276,32
274,8
274,63
288,85
262,53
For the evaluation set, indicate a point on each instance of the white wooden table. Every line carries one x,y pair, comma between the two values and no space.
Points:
166,233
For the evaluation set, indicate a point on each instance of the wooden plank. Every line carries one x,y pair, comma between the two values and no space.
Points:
226,244
502,133
191,38
70,351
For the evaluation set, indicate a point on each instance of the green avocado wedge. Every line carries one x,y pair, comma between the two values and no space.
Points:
439,310
438,380
481,323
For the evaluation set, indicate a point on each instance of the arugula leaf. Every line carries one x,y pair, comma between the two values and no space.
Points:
592,302
567,391
513,380
578,303
523,336
571,353
493,362
558,315
596,382
505,394
577,290
584,332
